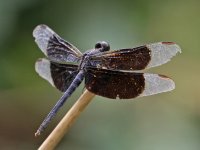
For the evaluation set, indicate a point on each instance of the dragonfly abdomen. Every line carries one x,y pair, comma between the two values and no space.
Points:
75,83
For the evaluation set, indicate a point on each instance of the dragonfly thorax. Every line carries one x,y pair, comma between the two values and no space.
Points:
99,48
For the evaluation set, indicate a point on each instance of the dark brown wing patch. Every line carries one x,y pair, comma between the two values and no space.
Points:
114,84
63,75
124,59
61,51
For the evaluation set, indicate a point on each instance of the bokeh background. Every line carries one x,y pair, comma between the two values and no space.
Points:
161,122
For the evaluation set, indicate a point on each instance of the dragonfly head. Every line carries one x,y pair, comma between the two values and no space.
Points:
102,46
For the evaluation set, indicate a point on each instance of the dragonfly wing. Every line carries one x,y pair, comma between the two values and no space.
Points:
54,47
125,85
59,75
138,58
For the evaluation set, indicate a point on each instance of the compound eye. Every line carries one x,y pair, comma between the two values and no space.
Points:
98,45
102,46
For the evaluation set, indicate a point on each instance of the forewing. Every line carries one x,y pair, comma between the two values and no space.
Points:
59,75
137,58
125,85
54,47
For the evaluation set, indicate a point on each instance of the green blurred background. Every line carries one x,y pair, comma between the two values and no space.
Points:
161,122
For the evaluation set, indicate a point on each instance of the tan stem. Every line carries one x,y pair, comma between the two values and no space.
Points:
56,135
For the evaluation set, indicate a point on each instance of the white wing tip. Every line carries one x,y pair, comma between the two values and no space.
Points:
155,84
175,47
162,52
38,29
42,67
42,34
167,82
38,63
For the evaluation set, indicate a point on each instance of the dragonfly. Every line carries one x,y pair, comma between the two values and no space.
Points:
116,74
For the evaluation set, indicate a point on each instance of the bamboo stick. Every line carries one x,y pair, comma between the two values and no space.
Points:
56,135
